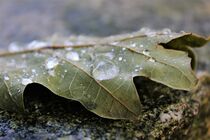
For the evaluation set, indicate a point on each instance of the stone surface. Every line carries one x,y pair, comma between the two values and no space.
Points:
166,112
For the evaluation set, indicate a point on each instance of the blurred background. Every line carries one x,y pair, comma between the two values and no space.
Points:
26,20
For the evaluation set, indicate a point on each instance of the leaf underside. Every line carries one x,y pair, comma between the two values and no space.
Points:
99,74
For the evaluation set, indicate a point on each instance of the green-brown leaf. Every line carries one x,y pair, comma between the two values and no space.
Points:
100,75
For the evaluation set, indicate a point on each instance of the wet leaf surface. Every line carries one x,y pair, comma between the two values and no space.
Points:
99,72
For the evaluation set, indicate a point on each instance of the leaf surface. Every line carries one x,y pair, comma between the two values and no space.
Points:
99,74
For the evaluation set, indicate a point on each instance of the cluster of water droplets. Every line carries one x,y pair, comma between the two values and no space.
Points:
26,81
153,33
37,44
15,47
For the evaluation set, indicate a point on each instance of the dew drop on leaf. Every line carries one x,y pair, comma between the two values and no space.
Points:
133,45
51,72
146,52
36,44
114,43
51,63
110,55
120,58
151,59
33,70
13,47
105,70
151,34
74,56
166,31
6,78
68,43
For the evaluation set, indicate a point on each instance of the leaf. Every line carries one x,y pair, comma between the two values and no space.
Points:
99,72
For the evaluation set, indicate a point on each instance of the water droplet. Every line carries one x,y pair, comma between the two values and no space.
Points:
151,59
6,78
65,70
123,49
105,70
144,30
138,67
114,43
69,48
182,32
83,51
36,44
141,46
120,58
68,43
74,56
33,70
146,52
51,63
171,36
13,47
26,81
51,72
151,34
166,31
133,45
110,55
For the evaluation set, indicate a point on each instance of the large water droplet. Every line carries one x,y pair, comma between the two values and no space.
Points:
105,70
51,63
74,56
